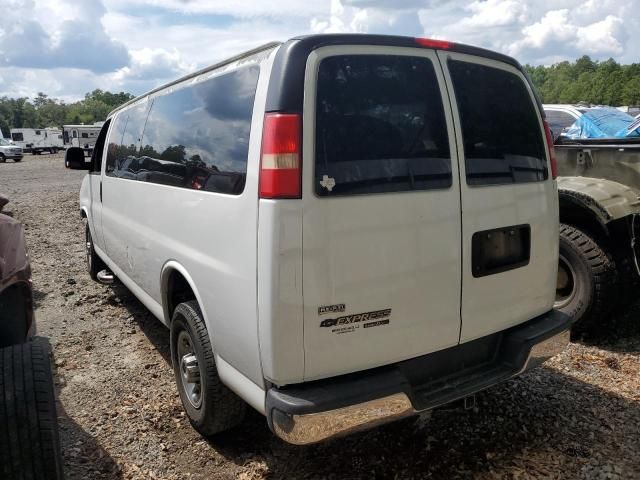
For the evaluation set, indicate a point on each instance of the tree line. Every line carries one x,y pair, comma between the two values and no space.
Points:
589,81
585,80
44,111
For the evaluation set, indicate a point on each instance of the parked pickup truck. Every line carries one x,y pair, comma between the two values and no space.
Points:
598,187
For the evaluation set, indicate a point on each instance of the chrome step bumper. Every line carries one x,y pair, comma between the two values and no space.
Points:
315,411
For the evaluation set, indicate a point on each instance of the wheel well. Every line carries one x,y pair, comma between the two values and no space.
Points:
577,215
83,214
178,291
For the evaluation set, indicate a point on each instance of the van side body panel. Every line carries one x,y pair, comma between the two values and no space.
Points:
212,236
280,303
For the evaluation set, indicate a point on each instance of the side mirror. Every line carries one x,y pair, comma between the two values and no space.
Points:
74,159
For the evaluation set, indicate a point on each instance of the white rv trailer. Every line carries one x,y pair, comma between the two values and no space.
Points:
38,140
83,136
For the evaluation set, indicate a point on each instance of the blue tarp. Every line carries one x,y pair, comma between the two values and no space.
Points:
604,123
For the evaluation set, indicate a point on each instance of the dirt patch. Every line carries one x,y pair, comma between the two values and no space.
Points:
120,415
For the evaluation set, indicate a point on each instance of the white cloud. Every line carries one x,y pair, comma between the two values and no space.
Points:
67,48
80,42
557,34
606,36
368,16
495,13
237,8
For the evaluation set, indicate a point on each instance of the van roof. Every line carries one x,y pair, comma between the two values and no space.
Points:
285,91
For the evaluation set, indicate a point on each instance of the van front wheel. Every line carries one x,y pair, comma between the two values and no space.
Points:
211,407
94,262
586,277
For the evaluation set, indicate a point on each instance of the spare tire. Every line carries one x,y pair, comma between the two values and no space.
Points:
29,441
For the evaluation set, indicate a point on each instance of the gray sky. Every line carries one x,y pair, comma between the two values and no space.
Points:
67,48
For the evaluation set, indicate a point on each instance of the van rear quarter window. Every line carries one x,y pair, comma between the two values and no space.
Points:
195,137
501,134
124,142
380,126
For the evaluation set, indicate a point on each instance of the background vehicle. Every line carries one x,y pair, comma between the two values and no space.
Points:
83,136
38,140
9,151
598,189
29,444
405,185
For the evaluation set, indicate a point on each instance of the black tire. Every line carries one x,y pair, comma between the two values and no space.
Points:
2,158
588,294
220,409
94,262
29,441
17,160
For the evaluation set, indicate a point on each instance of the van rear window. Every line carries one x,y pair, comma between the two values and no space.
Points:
380,126
501,132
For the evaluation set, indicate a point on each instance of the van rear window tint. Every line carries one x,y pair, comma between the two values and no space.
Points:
380,126
195,137
198,137
501,133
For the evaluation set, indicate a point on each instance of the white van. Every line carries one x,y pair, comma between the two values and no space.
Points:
339,230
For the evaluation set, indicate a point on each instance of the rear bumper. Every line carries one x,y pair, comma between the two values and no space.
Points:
315,411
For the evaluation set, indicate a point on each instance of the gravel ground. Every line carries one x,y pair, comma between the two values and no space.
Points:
120,415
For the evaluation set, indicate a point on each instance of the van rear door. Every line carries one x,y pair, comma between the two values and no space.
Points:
509,201
381,203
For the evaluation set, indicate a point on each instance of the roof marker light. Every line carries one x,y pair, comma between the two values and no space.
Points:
432,43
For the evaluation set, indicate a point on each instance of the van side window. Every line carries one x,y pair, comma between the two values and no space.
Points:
197,137
380,126
501,132
124,159
115,139
98,149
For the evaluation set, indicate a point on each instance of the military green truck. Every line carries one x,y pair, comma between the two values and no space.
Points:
599,187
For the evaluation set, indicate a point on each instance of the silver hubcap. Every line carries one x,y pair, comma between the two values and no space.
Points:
87,248
566,283
189,369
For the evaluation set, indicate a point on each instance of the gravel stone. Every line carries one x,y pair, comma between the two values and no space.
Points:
578,416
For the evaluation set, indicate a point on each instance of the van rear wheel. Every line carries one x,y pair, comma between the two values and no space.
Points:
211,407
586,277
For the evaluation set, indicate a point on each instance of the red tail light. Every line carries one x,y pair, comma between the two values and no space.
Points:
280,160
552,151
431,43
